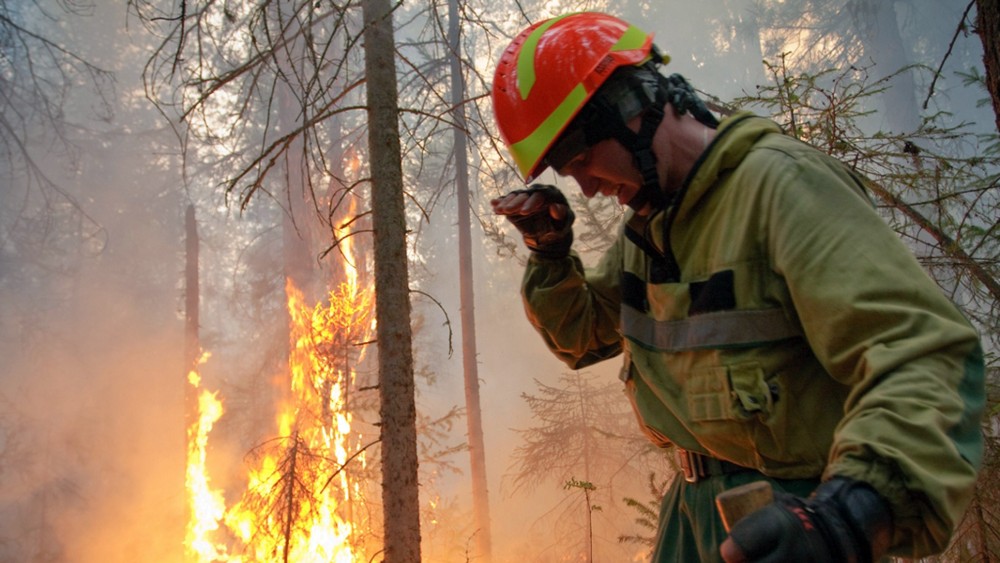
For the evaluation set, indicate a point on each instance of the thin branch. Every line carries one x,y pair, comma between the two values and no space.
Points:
958,30
447,320
954,249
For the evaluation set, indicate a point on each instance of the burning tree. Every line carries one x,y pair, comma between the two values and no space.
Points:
299,500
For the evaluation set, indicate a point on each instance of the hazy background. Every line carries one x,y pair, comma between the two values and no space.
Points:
92,428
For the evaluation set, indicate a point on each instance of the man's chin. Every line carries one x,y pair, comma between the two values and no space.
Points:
648,204
641,208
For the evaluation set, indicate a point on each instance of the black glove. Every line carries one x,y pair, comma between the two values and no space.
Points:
844,521
543,234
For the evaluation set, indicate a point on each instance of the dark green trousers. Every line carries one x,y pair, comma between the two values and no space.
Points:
690,528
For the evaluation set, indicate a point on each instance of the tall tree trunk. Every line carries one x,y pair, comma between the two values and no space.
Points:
297,235
976,510
400,497
474,418
192,341
588,447
745,38
885,44
988,28
295,252
192,345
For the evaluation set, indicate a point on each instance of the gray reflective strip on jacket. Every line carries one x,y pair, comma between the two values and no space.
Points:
709,330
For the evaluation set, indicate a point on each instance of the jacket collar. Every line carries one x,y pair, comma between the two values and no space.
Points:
735,137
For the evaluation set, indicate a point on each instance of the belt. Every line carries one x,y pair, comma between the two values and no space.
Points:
696,466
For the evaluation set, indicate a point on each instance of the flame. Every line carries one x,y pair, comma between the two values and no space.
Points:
315,426
297,504
207,504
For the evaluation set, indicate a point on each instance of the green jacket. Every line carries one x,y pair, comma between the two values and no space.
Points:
786,328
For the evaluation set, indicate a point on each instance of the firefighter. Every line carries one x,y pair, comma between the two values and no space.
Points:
770,325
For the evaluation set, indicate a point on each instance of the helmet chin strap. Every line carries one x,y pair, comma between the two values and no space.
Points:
645,89
640,144
651,191
682,97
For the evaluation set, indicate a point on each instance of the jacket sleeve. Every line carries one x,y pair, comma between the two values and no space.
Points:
879,324
575,309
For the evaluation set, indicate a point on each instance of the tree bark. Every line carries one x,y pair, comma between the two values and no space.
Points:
474,417
192,344
297,232
886,46
400,498
988,28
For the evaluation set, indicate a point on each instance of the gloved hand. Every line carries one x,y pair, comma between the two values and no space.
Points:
542,215
844,521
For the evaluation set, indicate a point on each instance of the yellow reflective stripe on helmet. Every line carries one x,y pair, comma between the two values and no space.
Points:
528,151
633,38
526,58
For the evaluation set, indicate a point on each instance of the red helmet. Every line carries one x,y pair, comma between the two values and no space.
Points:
550,71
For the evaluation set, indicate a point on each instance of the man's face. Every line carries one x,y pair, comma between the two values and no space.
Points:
606,168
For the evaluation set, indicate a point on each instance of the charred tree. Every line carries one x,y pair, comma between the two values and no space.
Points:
578,429
397,409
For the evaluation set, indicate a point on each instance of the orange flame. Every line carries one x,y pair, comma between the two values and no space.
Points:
207,504
298,495
315,425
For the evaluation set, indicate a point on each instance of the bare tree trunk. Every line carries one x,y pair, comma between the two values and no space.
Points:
982,545
192,340
400,497
192,345
297,235
886,45
988,28
474,417
290,478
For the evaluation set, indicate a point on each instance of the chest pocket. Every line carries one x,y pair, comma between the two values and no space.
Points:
737,392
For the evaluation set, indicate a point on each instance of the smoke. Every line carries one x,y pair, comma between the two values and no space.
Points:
92,455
